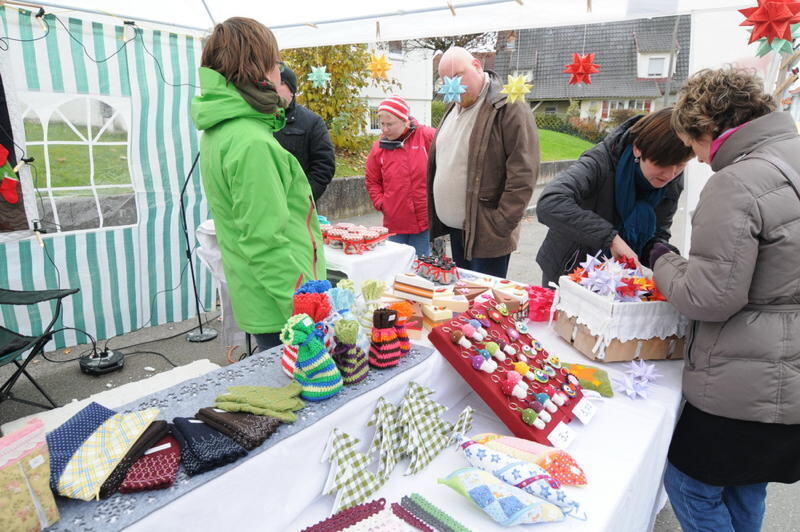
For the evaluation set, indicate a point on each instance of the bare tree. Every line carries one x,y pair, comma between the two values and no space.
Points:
475,42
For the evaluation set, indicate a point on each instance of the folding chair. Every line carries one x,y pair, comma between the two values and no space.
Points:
13,344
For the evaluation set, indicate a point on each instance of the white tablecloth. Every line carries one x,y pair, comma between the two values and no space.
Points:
623,452
383,262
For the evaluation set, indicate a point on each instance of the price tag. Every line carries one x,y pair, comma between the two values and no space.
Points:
561,436
584,410
36,461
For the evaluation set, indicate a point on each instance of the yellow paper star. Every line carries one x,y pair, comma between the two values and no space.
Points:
379,66
516,88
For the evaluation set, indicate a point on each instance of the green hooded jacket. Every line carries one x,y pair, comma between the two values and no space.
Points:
264,214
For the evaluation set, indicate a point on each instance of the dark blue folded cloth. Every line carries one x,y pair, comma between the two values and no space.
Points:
66,439
204,448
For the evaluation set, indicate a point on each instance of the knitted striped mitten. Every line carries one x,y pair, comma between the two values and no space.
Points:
350,359
315,369
384,351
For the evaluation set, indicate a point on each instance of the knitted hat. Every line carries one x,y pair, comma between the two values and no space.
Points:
315,369
288,77
396,106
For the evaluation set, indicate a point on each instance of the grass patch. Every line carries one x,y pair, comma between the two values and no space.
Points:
70,163
557,146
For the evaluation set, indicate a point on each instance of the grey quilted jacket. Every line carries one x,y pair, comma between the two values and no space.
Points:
741,283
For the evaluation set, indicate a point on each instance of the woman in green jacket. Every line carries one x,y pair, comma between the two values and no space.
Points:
264,214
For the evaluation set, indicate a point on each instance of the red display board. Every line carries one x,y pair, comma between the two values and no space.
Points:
504,330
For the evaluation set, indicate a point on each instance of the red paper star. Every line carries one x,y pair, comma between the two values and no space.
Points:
628,288
581,68
628,262
772,19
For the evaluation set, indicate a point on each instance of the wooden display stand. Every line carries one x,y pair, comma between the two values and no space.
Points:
488,385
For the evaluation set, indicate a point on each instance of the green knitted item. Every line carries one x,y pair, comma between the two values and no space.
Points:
314,369
263,400
346,284
372,289
287,416
346,331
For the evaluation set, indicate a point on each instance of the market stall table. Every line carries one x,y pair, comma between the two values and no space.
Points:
623,451
383,262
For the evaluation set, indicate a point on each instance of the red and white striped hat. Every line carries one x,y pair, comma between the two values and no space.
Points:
395,105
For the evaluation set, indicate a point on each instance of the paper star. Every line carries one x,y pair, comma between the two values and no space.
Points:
581,68
628,291
378,66
577,275
516,88
771,19
452,89
590,263
631,388
642,372
601,282
318,77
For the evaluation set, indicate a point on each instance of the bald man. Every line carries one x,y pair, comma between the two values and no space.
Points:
482,168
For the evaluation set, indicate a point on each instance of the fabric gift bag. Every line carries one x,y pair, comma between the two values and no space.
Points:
26,502
155,470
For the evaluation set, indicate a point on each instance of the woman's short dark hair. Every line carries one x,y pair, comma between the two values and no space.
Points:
655,138
714,101
241,49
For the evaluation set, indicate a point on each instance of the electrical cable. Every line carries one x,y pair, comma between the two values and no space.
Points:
93,349
40,15
171,363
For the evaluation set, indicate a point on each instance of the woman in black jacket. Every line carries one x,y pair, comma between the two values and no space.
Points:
619,197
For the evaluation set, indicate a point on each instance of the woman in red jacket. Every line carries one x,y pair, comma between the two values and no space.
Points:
396,174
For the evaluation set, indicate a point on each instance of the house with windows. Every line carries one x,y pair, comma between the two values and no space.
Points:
640,61
412,70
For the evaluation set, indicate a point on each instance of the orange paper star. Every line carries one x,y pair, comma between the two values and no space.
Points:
581,68
577,275
771,19
379,66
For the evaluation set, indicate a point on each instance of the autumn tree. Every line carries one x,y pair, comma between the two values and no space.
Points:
340,103
474,42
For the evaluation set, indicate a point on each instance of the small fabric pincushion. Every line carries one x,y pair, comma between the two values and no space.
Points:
505,504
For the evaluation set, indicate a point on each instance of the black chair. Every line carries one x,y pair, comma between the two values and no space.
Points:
13,344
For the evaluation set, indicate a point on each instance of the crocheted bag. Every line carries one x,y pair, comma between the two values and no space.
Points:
350,359
384,351
315,369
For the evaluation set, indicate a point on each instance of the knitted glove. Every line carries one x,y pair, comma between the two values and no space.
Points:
660,249
287,416
281,399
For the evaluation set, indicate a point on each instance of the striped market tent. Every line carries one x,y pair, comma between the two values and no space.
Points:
130,276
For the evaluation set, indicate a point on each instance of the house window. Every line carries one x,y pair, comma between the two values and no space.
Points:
396,48
550,110
648,105
605,110
656,67
80,147
374,122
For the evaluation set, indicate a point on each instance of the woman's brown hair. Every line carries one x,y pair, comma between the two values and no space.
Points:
713,101
655,138
241,49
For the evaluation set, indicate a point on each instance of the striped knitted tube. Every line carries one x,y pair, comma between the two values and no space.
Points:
314,369
404,311
384,351
350,359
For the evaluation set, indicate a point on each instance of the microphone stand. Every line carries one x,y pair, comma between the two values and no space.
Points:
199,334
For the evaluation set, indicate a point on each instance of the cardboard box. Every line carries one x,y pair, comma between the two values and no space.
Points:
578,335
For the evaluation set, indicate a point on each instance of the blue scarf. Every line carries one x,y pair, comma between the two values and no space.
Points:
636,200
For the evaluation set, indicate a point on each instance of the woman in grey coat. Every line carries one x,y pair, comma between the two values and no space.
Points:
619,197
740,426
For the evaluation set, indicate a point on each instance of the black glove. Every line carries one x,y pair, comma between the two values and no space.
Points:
659,249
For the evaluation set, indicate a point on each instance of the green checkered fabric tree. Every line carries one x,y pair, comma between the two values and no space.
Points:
349,477
425,432
386,442
463,425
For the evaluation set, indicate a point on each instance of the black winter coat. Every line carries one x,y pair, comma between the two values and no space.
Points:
579,209
306,137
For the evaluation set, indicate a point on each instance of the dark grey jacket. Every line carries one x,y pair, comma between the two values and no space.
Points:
306,137
578,207
741,283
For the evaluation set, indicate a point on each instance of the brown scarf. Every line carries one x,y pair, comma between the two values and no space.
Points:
262,97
